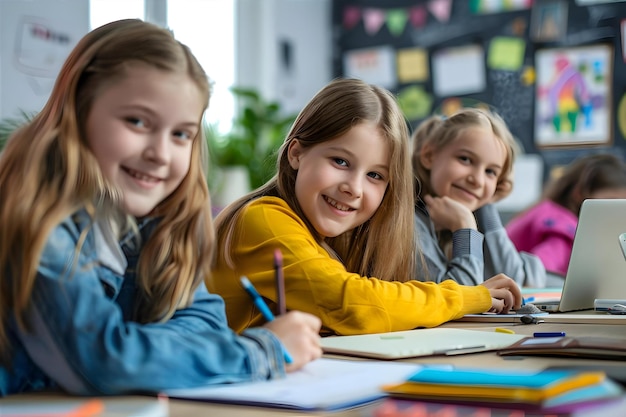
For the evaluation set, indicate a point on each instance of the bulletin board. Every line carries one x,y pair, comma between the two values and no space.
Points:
555,70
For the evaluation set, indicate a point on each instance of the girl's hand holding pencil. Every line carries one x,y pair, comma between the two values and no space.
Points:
299,334
297,331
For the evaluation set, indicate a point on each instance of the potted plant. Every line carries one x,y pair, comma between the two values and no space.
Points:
259,128
9,124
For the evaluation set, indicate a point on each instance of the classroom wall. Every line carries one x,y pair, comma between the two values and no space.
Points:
35,38
520,58
284,49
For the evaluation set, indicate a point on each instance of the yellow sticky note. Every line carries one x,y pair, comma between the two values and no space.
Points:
506,53
412,65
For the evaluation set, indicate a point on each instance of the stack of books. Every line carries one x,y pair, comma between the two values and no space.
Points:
545,391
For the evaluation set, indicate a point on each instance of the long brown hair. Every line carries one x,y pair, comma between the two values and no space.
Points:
47,172
383,246
584,176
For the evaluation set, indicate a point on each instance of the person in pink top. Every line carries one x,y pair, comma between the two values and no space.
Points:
547,228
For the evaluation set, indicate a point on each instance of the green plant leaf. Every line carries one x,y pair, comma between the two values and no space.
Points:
258,130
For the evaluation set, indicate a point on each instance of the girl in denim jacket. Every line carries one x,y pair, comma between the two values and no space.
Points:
107,233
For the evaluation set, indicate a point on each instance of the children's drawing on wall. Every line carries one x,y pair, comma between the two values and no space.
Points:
573,96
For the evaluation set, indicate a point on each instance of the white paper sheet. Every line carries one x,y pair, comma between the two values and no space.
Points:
324,384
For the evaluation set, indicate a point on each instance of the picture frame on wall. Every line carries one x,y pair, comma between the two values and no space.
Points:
573,96
548,20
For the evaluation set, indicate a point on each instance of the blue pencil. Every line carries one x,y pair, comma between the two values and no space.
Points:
263,308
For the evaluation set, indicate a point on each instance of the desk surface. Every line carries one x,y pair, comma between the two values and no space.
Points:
180,408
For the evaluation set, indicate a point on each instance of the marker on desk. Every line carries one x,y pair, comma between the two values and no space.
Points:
549,334
263,308
503,330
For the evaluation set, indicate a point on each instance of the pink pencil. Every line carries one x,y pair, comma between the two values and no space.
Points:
280,282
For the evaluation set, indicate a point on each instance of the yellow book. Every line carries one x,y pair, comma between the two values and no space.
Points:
533,387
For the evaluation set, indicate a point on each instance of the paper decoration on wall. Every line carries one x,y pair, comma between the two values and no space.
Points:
415,102
496,6
506,53
396,21
412,65
417,16
458,70
372,65
373,20
351,16
440,9
573,95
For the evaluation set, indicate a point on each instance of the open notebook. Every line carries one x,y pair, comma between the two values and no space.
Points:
322,385
419,342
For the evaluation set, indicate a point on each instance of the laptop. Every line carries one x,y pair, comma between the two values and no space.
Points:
597,267
418,342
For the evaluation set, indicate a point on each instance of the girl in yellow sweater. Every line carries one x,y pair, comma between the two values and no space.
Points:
341,211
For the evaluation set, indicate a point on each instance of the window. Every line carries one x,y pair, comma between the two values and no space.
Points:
207,27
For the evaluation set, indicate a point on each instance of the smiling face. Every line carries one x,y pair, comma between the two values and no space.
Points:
341,182
467,169
140,129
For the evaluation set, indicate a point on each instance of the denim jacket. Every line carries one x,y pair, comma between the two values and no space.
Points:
82,337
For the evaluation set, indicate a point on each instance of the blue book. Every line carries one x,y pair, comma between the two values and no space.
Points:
539,388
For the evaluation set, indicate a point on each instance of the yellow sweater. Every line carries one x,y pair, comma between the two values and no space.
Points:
347,303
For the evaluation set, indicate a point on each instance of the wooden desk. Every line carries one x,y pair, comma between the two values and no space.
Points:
180,408
487,360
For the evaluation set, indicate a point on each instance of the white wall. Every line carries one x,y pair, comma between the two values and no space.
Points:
263,28
28,66
35,38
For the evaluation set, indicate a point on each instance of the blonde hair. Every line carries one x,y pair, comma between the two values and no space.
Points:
383,246
47,172
437,132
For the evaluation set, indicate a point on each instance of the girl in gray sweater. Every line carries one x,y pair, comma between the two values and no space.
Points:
463,164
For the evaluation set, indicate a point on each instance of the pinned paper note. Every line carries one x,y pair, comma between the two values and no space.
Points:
506,53
372,65
412,65
459,70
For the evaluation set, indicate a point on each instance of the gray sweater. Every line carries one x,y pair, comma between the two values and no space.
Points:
476,254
